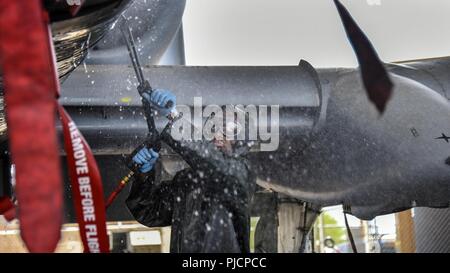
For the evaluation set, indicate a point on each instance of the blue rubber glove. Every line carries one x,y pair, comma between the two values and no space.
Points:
146,159
159,99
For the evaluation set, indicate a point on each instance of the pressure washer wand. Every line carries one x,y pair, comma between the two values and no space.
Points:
143,88
144,85
126,31
149,142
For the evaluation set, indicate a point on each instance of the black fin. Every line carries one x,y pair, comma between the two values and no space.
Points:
375,77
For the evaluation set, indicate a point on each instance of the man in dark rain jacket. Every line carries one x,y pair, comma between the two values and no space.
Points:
207,204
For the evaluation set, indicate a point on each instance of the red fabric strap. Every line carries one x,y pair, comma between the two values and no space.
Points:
30,88
87,188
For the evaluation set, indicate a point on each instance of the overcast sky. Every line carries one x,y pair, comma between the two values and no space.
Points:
281,32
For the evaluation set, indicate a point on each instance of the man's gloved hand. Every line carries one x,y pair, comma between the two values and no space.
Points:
159,99
146,158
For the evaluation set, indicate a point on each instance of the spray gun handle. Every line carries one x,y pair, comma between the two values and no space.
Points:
151,142
146,88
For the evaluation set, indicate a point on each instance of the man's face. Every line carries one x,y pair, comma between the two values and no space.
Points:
222,136
226,146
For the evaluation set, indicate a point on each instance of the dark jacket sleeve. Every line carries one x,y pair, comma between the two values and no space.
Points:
150,204
203,156
229,174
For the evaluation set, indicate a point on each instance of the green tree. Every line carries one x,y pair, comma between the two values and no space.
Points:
331,229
